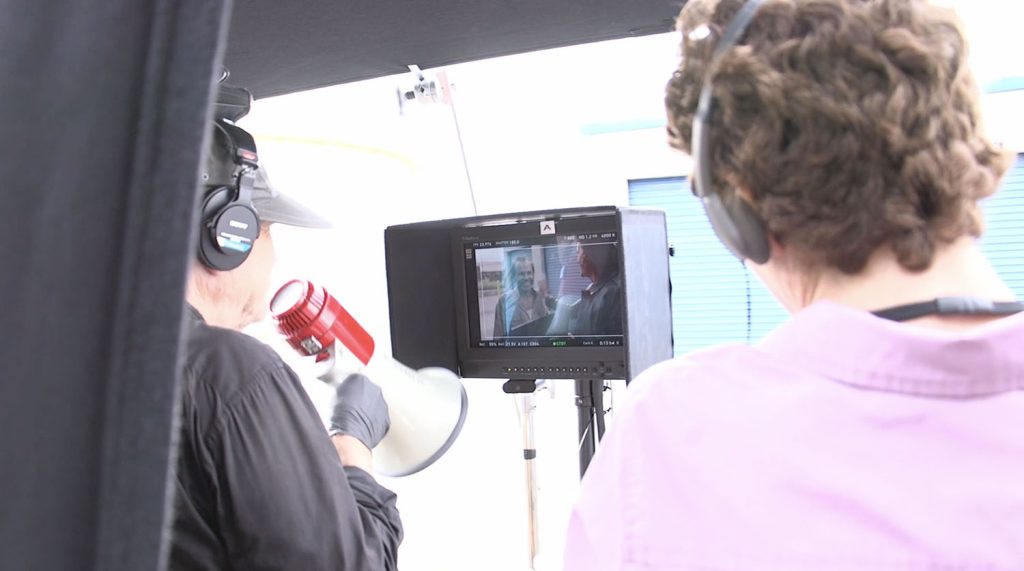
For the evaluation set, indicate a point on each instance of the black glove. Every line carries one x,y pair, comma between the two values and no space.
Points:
360,411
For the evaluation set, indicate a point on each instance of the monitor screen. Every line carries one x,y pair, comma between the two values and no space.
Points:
544,291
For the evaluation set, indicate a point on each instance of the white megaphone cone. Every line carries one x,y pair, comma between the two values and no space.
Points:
427,407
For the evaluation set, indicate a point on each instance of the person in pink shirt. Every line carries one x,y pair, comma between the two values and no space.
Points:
837,147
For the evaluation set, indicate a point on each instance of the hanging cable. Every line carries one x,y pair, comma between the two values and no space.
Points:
583,437
611,399
462,148
746,279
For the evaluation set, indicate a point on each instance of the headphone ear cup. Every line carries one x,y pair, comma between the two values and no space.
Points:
219,210
209,253
738,227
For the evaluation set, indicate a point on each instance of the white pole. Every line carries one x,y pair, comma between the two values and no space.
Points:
529,455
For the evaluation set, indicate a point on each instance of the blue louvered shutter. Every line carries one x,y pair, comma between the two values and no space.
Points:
1003,240
709,286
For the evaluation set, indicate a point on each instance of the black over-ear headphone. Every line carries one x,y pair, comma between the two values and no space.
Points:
733,219
229,225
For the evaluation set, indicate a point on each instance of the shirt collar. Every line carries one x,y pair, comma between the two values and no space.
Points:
595,287
193,314
857,348
514,298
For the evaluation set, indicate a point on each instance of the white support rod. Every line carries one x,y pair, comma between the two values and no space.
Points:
529,456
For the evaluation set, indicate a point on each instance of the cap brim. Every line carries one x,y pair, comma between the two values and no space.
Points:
284,210
272,206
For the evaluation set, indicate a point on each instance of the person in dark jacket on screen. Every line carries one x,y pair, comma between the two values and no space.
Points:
260,484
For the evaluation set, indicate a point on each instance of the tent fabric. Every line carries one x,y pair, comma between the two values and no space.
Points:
103,107
281,47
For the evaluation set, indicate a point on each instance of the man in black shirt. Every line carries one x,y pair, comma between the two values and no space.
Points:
599,310
259,484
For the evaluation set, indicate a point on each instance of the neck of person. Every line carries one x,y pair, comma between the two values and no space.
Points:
214,313
958,269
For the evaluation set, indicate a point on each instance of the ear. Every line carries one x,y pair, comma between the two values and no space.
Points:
778,275
775,248
779,252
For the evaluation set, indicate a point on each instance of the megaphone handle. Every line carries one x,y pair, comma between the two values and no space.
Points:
326,367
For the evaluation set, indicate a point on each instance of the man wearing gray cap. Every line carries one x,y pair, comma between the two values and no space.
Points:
259,484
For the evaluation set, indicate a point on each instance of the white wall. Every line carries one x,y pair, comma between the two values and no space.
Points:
523,122
1004,119
541,131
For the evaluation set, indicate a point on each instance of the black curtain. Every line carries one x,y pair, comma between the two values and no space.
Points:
103,107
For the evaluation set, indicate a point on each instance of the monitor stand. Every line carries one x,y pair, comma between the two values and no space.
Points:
590,413
525,392
590,408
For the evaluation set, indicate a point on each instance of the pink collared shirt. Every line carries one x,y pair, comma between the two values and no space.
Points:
840,442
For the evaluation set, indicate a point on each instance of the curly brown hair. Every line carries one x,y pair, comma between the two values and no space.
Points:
854,124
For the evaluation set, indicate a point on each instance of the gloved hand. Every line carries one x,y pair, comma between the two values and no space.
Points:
360,411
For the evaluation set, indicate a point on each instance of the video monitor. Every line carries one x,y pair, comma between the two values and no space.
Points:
547,291
543,297
580,293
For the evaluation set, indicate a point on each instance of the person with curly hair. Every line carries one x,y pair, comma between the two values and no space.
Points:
838,147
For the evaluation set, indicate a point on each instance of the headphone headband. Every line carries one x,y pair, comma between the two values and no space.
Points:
734,31
734,220
701,146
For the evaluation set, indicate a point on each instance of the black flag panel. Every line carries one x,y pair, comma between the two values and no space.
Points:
103,107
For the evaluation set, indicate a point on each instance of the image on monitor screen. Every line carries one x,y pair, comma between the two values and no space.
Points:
545,291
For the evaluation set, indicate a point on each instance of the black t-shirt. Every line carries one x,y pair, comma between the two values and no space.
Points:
259,483
599,311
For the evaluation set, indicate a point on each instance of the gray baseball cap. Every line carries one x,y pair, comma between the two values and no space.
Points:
271,206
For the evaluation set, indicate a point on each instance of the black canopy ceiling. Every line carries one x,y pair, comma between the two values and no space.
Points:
277,47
